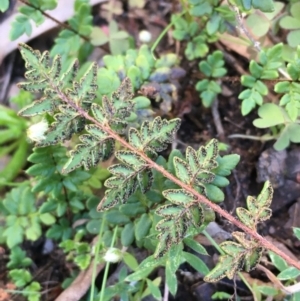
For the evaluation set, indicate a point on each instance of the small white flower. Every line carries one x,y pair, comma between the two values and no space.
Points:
113,255
145,36
36,132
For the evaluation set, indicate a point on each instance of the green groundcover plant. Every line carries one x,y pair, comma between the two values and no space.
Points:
87,114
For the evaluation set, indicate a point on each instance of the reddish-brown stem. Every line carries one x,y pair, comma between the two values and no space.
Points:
264,243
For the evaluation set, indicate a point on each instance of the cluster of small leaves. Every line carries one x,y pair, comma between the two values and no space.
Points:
260,23
78,251
21,218
270,61
47,168
117,39
291,89
173,259
265,6
211,18
212,68
203,170
70,44
284,116
22,23
245,253
24,280
18,262
155,78
292,22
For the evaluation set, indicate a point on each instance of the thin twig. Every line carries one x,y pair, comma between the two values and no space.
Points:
217,119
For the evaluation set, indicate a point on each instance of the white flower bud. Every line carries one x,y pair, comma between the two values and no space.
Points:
113,255
36,132
145,36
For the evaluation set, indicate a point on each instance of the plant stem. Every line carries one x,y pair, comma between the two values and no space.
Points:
107,267
96,260
201,199
162,35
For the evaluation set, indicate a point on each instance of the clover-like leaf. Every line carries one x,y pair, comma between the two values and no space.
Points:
270,115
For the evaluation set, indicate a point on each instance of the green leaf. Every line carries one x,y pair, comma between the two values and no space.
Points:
231,248
270,115
255,69
293,38
267,290
279,263
84,91
289,273
20,277
145,179
18,258
227,266
201,9
20,25
131,159
214,193
246,217
142,226
297,232
265,6
196,263
288,22
127,235
265,197
130,261
171,279
169,210
47,219
259,26
4,5
96,147
193,244
38,107
213,24
183,170
282,87
246,4
179,196
115,217
154,289
98,37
